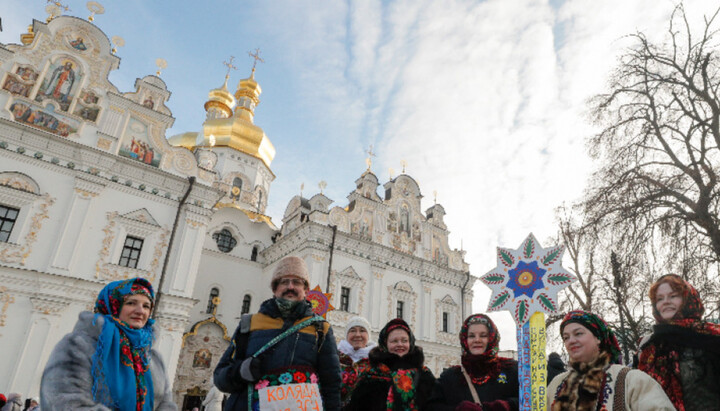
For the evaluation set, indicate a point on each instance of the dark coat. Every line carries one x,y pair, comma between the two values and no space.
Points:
371,393
555,366
451,389
699,361
305,348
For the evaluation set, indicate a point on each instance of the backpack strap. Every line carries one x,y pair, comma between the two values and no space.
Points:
242,334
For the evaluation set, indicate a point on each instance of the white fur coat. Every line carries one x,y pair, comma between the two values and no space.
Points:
67,380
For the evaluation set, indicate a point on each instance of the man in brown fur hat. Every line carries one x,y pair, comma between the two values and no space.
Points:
284,344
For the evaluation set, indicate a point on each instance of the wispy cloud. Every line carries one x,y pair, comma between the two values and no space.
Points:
484,99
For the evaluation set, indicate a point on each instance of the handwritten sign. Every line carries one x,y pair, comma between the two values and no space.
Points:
290,397
538,363
524,376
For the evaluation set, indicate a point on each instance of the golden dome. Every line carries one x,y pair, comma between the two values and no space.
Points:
186,140
221,100
236,131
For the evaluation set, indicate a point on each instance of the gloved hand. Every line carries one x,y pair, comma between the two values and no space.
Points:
250,369
468,406
497,405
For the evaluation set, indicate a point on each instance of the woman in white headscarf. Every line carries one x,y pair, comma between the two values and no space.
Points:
353,352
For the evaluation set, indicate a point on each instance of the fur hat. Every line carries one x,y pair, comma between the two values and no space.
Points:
358,321
290,265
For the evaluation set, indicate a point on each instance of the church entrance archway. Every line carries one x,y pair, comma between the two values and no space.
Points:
202,348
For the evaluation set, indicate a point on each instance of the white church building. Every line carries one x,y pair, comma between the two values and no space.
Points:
93,190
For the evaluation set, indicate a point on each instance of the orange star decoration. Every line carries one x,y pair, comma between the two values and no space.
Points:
320,301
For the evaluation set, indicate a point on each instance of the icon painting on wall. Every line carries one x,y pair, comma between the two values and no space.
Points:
137,144
21,82
43,118
59,83
87,106
78,44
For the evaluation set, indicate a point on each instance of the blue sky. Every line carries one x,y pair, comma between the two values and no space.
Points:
485,100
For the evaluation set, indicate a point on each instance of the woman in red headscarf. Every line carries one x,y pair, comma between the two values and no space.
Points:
483,381
397,378
683,352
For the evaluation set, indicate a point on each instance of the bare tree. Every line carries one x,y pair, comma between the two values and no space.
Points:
660,141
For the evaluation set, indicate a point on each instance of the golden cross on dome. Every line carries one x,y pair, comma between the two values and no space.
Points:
256,56
370,154
229,66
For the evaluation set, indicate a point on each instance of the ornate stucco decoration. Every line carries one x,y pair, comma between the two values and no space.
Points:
49,304
212,320
402,291
139,223
5,300
447,305
19,190
347,278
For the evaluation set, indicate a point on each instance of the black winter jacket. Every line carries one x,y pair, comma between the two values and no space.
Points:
306,347
371,394
451,389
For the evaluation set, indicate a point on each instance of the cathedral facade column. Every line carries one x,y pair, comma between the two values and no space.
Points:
187,250
29,365
74,225
426,308
376,302
172,320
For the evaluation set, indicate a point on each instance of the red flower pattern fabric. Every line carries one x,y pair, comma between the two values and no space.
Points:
661,361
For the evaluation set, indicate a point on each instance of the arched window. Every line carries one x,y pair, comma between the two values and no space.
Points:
225,241
246,304
237,182
254,253
236,188
259,206
211,305
405,220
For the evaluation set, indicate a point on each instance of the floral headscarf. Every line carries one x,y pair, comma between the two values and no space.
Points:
599,329
395,324
692,307
485,366
660,356
121,363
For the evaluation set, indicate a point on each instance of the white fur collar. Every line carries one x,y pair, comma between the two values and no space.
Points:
356,355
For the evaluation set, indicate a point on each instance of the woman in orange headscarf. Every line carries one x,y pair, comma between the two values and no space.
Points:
683,352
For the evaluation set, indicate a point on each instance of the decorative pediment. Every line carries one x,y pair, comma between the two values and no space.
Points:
19,181
404,286
142,215
320,202
448,300
350,274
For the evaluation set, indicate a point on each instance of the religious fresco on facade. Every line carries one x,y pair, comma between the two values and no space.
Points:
21,81
363,228
44,118
78,43
61,80
202,358
416,234
87,106
149,102
392,222
138,147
